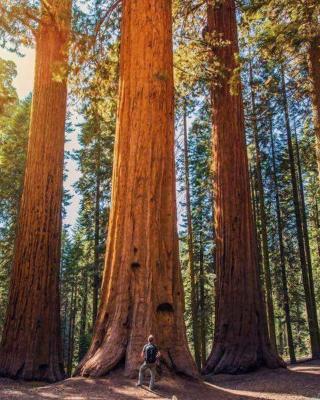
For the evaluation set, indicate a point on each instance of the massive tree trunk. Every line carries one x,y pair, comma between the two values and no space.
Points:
142,289
263,219
314,72
96,266
194,308
311,312
316,222
241,340
31,347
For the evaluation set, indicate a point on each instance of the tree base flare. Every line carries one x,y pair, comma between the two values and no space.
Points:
104,360
239,361
43,372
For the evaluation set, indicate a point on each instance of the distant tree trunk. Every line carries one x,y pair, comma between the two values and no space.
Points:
255,215
285,293
31,342
263,216
280,330
70,328
194,308
96,272
203,333
83,319
142,290
65,331
306,232
241,340
312,321
316,223
72,321
314,73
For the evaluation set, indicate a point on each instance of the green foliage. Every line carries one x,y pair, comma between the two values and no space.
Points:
14,126
199,155
273,34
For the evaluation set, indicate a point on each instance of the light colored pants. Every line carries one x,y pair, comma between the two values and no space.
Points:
152,369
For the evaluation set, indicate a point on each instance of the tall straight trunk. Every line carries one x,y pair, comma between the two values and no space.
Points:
314,73
194,307
83,318
72,321
142,290
203,333
280,337
65,331
96,272
263,216
284,280
316,223
312,321
31,341
241,340
70,332
255,216
306,232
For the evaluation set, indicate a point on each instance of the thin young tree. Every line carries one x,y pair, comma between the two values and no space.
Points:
241,341
142,289
30,347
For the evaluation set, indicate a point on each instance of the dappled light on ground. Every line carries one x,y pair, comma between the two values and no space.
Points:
298,382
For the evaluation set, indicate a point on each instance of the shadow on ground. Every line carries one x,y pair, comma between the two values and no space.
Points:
297,382
300,381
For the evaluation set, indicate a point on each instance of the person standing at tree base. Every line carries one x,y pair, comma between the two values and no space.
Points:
149,354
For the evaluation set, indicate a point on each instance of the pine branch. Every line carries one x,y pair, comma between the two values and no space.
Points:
108,12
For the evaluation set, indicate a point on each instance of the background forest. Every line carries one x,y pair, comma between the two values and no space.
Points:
280,134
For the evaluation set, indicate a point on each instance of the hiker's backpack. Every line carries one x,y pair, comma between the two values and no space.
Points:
151,354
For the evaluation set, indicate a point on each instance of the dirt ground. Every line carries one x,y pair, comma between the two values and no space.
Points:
301,381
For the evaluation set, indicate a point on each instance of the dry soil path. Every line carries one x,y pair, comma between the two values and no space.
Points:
301,381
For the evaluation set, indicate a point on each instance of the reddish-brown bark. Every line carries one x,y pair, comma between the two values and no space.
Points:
241,341
314,72
142,289
30,347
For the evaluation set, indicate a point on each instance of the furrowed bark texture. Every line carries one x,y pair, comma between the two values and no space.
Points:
241,341
31,345
142,289
314,72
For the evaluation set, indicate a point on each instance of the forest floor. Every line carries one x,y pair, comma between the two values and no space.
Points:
301,381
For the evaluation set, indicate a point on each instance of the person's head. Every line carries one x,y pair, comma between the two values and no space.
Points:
150,339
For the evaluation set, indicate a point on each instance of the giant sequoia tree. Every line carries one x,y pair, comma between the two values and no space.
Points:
30,347
142,289
241,340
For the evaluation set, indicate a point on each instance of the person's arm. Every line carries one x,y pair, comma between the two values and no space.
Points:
158,354
142,353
